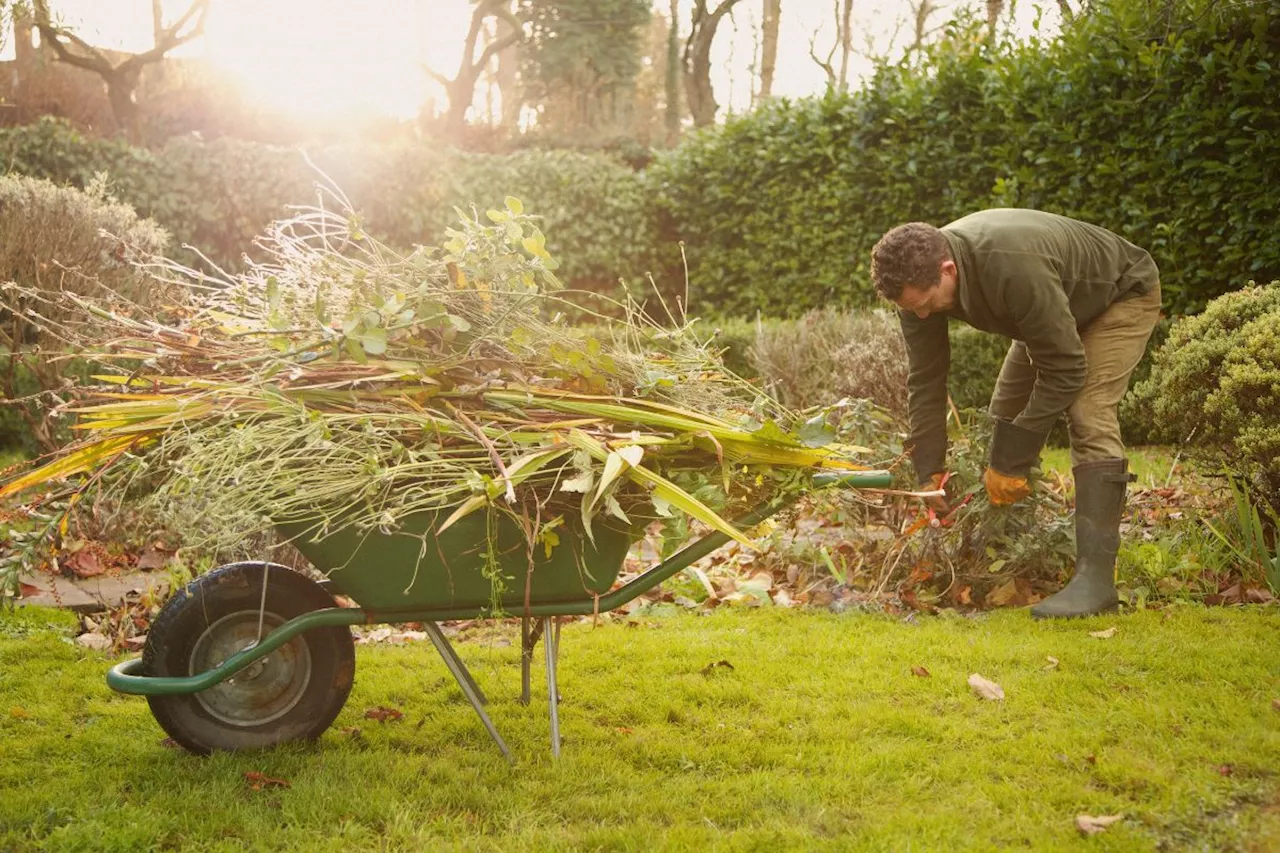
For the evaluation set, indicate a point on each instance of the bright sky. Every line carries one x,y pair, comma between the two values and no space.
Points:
333,57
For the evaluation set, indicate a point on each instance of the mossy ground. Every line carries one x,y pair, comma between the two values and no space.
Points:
818,737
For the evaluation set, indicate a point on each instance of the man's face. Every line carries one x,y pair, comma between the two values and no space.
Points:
923,301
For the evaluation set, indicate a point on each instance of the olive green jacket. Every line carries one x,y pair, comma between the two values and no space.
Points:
1031,276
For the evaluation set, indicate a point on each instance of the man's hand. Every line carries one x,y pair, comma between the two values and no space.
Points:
938,503
1003,489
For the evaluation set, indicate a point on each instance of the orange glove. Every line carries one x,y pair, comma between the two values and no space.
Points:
1003,489
938,504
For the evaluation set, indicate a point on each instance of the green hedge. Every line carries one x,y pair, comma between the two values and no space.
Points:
217,196
1155,119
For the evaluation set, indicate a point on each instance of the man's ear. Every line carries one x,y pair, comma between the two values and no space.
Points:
948,268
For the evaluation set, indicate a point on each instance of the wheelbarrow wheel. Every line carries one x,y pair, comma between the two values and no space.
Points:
293,693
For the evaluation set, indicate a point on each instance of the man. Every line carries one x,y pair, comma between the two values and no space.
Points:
1079,303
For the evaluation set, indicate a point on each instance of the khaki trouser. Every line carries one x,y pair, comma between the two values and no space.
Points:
1113,345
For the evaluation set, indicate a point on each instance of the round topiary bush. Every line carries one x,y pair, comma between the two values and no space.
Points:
1215,382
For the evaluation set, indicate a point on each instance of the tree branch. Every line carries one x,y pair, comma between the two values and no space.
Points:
96,61
497,47
172,37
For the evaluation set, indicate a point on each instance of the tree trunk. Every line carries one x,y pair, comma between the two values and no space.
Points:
769,49
846,43
697,61
673,77
508,78
121,86
994,8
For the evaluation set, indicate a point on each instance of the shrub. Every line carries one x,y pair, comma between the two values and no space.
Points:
976,359
219,195
828,355
1216,380
56,240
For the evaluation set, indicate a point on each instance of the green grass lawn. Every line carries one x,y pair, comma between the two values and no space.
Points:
1152,465
819,737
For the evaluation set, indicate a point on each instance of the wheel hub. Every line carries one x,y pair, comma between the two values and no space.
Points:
266,689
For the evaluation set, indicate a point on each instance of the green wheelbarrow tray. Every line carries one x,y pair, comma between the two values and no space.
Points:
237,687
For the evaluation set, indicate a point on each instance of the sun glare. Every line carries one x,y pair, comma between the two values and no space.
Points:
323,58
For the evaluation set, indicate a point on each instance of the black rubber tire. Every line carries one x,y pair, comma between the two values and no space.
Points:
295,693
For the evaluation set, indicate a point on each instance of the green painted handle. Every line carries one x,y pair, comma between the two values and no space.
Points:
854,479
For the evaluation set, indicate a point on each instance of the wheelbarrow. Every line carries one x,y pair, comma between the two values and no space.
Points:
254,654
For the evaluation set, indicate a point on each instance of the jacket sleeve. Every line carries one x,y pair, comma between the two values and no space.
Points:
1032,293
928,361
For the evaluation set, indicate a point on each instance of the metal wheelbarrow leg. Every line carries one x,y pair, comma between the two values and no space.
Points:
465,682
551,643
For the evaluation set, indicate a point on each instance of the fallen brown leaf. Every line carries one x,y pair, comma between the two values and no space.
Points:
1225,770
985,688
1257,595
1104,635
1090,825
920,671
95,641
712,667
626,730
1053,662
1003,595
84,564
1092,759
169,743
1275,704
382,714
154,558
257,781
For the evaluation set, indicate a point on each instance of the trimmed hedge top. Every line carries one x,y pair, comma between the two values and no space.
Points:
1153,118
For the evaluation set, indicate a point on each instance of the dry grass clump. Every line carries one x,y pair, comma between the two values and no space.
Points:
829,355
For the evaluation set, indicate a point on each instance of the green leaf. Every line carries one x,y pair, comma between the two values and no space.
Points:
515,205
816,433
374,341
356,351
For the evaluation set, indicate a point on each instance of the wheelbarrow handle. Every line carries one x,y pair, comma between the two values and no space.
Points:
854,479
696,550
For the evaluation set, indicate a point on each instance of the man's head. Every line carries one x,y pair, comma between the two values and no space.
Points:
912,267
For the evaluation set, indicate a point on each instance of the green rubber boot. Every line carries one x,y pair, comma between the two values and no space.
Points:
1100,490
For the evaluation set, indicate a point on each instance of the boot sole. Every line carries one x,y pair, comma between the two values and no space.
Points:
1081,615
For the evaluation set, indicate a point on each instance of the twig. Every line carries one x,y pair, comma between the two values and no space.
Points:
488,445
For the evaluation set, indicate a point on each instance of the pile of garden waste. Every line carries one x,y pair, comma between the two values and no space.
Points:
337,383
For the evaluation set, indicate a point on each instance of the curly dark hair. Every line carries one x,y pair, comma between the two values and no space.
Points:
910,254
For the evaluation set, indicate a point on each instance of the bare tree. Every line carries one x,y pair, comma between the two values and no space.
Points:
697,60
462,88
921,11
121,77
846,42
994,8
509,69
23,45
673,76
837,80
769,48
